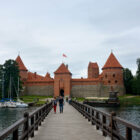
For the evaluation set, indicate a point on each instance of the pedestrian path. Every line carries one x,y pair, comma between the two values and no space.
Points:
70,125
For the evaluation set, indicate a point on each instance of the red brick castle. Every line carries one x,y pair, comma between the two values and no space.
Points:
95,84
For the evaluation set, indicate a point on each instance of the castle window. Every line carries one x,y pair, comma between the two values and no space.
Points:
113,75
116,81
106,76
109,81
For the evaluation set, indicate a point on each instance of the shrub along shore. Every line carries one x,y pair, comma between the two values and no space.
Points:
126,100
129,100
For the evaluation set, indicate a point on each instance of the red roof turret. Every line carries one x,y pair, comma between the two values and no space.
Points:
62,69
112,62
20,64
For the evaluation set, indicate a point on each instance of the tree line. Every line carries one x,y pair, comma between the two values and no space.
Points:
132,82
10,83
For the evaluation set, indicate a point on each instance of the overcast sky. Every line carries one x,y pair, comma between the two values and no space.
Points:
84,30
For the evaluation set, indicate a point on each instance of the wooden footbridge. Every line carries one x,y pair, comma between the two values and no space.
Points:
44,124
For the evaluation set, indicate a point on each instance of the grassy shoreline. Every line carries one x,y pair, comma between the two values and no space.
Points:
126,100
38,100
129,100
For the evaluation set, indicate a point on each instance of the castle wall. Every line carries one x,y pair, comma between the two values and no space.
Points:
43,90
85,91
99,90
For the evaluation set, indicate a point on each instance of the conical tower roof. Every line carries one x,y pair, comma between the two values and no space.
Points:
20,64
112,62
62,69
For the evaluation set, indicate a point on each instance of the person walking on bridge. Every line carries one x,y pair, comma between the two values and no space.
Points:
54,104
61,103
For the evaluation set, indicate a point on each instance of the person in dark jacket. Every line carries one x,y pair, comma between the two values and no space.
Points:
61,103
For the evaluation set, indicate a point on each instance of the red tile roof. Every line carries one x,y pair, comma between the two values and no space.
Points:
48,77
20,64
93,65
62,69
112,62
35,76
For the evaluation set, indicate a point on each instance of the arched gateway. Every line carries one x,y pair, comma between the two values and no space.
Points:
61,92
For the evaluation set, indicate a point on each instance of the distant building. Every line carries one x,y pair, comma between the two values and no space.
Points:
95,84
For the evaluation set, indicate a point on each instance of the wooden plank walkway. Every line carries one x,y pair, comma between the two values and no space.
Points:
70,125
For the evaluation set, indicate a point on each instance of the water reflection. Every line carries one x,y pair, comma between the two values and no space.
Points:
10,115
131,114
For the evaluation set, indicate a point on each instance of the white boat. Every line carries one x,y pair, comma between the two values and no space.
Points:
10,104
2,104
21,104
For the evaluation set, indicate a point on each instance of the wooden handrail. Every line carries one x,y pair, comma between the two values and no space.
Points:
30,123
106,122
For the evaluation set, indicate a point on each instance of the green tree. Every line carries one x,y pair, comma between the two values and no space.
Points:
135,86
138,70
11,72
1,73
128,77
136,81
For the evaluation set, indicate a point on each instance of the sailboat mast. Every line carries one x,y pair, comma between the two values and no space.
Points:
18,89
10,86
2,85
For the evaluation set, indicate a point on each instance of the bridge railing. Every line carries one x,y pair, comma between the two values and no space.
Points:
109,124
25,127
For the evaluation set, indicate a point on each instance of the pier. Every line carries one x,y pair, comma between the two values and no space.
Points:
70,125
77,122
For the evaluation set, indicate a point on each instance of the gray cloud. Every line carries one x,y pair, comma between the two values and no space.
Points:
85,30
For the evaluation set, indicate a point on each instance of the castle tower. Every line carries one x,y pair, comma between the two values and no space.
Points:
62,80
22,68
112,71
93,70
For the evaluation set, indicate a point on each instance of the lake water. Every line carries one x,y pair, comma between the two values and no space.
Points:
10,115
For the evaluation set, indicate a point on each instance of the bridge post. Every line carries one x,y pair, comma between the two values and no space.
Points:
92,117
112,124
40,117
26,125
128,133
104,123
32,125
89,114
15,134
36,118
97,119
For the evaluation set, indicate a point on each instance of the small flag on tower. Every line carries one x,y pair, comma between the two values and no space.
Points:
64,55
